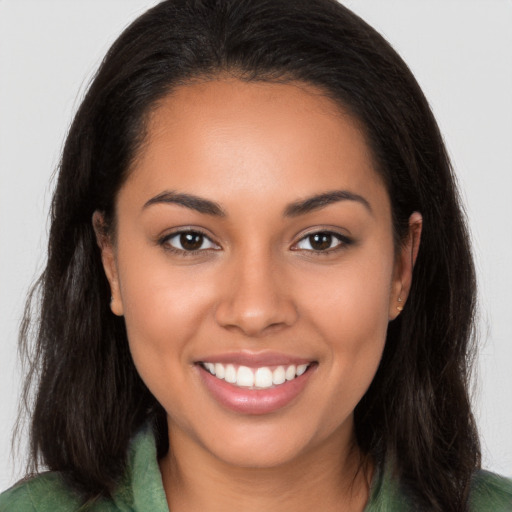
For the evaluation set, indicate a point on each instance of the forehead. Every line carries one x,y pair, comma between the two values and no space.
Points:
267,141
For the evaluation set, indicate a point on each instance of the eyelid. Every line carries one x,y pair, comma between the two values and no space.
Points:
344,240
164,240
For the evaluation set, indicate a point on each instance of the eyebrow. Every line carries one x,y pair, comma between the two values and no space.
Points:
294,209
188,201
322,200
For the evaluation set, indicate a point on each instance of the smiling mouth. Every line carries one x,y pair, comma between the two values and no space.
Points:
263,377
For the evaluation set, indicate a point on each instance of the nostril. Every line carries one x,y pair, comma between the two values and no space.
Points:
255,318
254,298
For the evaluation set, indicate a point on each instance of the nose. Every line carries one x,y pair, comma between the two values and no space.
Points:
255,298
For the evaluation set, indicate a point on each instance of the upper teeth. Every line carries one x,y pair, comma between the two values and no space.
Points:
262,377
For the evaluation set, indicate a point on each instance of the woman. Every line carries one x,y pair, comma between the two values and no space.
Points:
259,291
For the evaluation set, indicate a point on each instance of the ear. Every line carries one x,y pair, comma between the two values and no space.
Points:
108,258
404,265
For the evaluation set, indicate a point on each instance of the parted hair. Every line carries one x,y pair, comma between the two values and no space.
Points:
83,392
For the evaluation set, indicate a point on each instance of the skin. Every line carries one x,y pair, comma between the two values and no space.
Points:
254,149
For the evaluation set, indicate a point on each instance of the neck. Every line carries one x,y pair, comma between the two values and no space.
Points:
330,477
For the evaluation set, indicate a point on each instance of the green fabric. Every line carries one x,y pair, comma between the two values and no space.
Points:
141,490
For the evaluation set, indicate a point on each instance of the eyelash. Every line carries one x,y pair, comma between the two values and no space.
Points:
343,240
165,242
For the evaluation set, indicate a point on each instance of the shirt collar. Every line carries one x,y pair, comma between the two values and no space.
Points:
141,488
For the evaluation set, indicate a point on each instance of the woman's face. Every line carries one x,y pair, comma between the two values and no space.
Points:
254,241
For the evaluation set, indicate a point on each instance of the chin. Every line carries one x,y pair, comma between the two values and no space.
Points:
259,455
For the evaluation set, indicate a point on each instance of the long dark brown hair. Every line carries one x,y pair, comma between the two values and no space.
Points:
89,399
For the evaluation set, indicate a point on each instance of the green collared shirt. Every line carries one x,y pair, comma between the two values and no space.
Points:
141,490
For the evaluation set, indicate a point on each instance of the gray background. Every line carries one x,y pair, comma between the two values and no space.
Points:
460,52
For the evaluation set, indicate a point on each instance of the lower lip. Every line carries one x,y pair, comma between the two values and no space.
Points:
254,401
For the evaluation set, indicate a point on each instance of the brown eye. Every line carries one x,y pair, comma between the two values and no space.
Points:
188,241
191,241
322,241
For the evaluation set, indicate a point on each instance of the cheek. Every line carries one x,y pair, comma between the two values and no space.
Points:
164,311
349,308
352,300
356,341
164,306
355,327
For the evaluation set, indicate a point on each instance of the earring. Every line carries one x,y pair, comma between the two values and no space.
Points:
400,307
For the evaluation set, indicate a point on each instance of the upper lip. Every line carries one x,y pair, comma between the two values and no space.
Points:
255,359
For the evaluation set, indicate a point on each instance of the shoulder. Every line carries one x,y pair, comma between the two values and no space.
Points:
46,492
140,488
490,492
41,493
